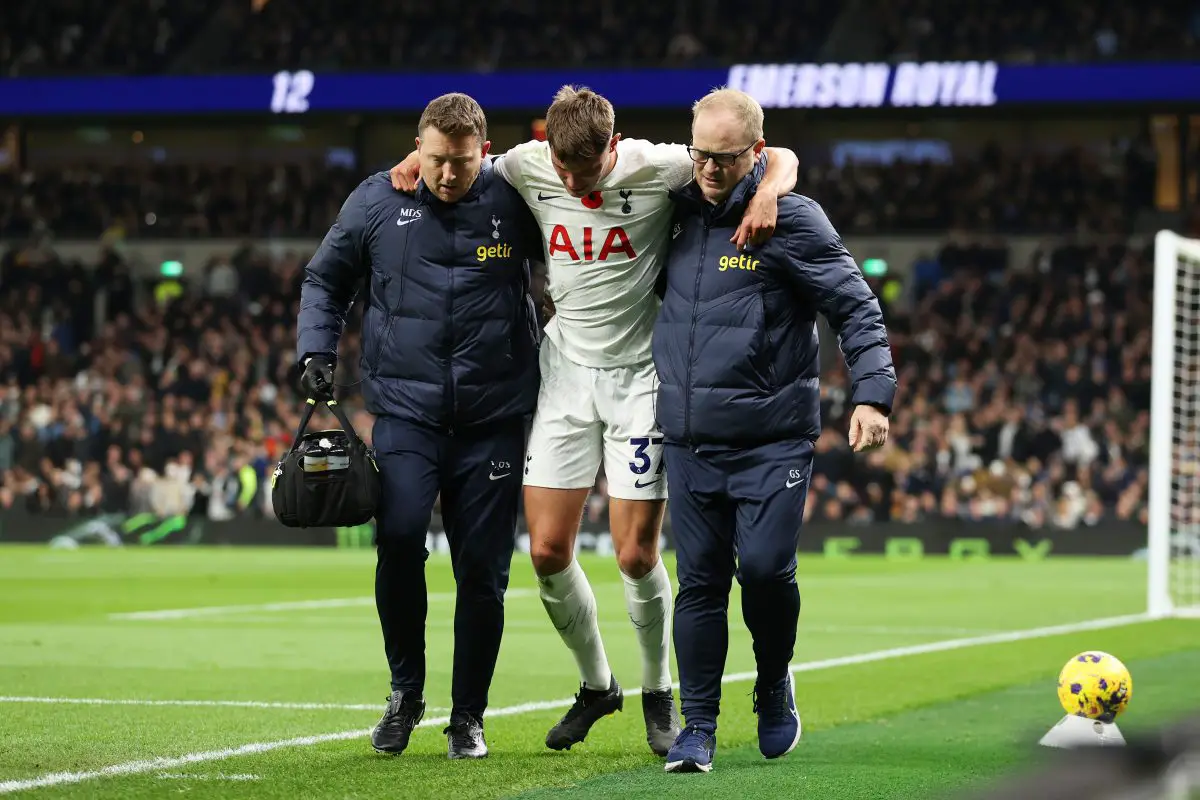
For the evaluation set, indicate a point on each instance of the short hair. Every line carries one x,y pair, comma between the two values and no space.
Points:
742,105
579,123
454,114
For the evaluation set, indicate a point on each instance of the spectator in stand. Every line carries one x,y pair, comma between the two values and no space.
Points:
124,36
1026,391
994,189
62,36
1052,30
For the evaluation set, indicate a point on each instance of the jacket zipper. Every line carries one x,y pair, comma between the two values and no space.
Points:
391,311
687,388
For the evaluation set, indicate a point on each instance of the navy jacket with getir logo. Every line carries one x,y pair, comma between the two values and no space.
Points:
450,329
735,344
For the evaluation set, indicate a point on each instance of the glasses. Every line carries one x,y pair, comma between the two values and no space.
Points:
720,159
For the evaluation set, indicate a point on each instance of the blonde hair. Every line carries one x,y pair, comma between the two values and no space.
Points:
740,104
454,114
579,123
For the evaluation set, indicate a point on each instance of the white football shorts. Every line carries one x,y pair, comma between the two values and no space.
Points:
587,416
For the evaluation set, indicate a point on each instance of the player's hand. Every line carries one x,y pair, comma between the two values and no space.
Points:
868,429
405,174
758,223
547,307
317,380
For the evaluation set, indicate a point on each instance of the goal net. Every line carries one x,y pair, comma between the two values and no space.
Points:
1174,509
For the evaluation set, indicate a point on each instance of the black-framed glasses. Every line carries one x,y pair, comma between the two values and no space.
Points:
720,159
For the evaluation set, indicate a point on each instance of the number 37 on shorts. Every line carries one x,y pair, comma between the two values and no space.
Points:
647,465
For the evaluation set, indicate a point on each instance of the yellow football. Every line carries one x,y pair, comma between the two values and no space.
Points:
1095,685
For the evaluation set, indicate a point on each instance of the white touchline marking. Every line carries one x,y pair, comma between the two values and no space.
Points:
292,605
954,644
895,630
104,701
204,776
254,748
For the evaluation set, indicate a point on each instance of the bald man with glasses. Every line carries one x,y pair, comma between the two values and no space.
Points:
735,347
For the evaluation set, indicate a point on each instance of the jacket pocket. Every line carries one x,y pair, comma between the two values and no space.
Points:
372,338
387,309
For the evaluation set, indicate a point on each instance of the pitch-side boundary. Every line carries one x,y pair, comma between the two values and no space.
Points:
254,748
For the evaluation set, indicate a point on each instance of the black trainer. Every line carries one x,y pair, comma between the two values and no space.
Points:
404,711
662,720
464,736
590,705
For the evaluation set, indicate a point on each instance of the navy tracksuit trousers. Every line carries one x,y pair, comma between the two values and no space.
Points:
478,474
735,512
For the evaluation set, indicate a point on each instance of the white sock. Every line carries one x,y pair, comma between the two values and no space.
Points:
569,601
649,601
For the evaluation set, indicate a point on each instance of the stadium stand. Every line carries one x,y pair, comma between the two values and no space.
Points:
1025,389
59,36
162,407
1026,396
998,190
528,33
66,36
1060,30
165,201
1002,415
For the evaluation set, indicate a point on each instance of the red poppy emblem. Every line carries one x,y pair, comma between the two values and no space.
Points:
593,200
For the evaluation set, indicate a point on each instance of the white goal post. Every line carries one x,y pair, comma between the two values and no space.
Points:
1174,503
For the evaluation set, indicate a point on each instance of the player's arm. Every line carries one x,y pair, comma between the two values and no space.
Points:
539,274
820,264
783,166
758,223
405,175
331,280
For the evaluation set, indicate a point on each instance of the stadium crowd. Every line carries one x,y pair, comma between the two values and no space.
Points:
64,36
994,189
1058,30
161,408
1024,392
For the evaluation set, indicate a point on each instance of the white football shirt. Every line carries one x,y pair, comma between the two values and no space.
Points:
604,251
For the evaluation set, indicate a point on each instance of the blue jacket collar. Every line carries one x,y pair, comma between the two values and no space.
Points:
427,197
735,204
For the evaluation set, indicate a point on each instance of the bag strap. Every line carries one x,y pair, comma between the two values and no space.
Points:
310,408
336,408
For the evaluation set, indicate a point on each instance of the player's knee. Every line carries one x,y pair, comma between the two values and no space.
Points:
636,559
549,556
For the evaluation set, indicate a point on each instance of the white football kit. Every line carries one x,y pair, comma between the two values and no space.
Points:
603,256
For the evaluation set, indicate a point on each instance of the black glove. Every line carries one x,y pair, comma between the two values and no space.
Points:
317,380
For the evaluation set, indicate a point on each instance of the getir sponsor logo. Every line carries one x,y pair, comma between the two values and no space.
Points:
737,262
910,83
486,252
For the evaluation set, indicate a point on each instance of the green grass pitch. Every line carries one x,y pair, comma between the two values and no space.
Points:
259,672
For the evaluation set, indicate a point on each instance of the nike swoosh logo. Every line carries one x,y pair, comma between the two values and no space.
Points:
790,484
403,221
547,196
640,485
494,477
